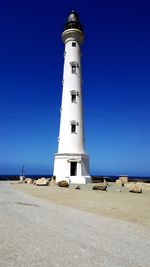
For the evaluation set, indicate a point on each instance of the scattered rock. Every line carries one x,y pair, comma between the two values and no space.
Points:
78,187
122,180
28,181
63,183
102,187
135,188
118,182
42,182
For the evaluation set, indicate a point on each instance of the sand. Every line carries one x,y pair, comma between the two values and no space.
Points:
35,232
117,202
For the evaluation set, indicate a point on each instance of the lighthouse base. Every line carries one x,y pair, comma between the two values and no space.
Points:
74,168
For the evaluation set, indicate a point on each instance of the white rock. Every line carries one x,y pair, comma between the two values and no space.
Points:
42,181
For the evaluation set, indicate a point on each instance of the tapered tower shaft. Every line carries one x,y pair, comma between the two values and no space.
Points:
71,136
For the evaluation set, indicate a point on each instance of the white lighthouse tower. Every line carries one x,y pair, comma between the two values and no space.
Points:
71,163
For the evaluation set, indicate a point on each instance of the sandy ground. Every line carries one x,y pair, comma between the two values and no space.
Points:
39,233
116,203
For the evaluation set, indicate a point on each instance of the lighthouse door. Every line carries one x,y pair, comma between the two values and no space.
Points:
73,168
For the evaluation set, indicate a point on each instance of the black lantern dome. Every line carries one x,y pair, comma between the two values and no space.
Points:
73,21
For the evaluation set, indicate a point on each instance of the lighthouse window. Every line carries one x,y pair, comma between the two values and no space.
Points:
73,128
74,69
74,66
73,44
74,95
73,98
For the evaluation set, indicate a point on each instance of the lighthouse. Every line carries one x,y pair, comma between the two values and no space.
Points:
71,163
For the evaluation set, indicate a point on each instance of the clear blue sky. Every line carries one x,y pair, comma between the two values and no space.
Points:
116,89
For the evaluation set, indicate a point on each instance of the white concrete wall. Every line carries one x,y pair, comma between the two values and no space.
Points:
62,168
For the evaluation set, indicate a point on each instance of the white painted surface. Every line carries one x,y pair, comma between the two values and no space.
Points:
62,168
71,145
71,142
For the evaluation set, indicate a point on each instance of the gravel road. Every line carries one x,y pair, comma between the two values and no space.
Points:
34,232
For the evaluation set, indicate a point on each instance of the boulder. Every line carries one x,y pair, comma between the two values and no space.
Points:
63,183
135,188
42,182
28,181
119,182
102,187
122,180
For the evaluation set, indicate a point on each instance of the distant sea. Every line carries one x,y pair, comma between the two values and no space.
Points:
4,177
11,177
